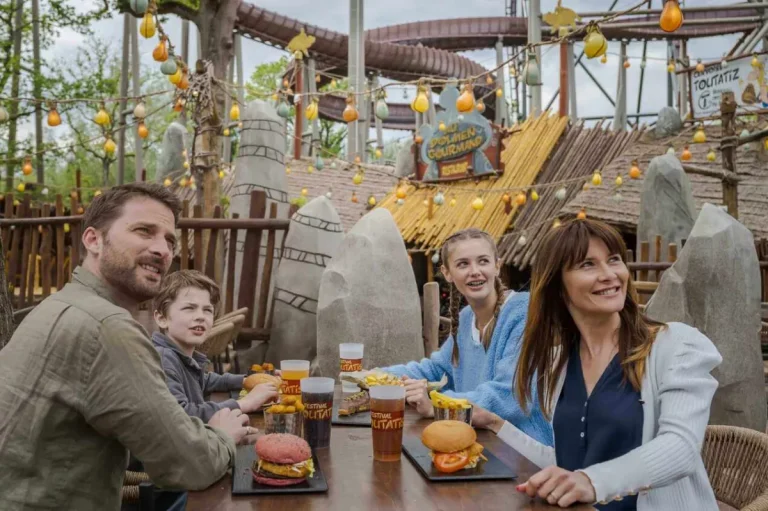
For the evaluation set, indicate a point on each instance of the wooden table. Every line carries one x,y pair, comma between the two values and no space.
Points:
357,482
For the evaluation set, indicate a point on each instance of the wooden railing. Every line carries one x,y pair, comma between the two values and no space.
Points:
42,251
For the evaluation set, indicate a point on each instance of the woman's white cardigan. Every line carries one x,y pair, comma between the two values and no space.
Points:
666,470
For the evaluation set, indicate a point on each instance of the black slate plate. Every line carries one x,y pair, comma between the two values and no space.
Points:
362,419
243,483
493,469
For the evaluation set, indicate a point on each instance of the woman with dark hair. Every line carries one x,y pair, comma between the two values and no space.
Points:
629,397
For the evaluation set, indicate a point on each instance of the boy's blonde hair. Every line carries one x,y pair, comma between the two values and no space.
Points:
175,282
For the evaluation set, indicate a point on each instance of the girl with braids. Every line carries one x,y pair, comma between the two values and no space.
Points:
629,397
480,355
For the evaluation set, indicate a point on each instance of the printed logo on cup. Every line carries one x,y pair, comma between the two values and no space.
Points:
291,387
351,365
387,420
318,411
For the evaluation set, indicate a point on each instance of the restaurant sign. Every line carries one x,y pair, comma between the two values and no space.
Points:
747,82
461,148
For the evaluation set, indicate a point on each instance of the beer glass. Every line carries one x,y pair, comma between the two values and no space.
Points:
387,418
317,396
293,371
351,360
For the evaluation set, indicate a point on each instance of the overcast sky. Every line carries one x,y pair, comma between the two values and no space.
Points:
333,14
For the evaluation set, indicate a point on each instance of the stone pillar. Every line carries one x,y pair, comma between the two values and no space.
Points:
715,286
620,117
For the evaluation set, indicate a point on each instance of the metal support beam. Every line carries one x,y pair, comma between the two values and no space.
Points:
571,82
377,122
686,9
136,78
311,72
602,89
534,36
501,101
642,80
620,118
356,75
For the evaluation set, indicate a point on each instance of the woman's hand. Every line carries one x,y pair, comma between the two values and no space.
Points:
482,418
416,395
559,486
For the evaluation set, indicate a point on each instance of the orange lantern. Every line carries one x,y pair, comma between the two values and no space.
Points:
582,214
671,16
634,171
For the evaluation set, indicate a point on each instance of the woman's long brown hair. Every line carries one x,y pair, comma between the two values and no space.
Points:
550,327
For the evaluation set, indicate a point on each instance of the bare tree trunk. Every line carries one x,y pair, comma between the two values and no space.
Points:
13,109
6,306
38,93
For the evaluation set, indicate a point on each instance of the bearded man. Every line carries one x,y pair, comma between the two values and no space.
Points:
81,384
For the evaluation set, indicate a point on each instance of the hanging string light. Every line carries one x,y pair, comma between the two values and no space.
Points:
671,16
531,72
595,44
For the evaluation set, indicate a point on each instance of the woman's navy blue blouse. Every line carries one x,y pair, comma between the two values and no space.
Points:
600,427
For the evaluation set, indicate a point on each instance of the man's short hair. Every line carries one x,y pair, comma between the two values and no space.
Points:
108,206
176,281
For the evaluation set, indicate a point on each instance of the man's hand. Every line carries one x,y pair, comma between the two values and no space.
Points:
232,422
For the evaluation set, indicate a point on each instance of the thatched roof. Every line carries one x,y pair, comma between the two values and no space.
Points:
752,190
337,179
574,159
527,149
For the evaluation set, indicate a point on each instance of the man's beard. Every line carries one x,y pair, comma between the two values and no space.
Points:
122,274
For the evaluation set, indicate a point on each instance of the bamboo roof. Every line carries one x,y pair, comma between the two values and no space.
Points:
527,150
752,189
578,154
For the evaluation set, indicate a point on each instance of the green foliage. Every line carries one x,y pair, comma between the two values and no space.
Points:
299,201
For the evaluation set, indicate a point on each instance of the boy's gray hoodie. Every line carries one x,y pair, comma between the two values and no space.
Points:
189,384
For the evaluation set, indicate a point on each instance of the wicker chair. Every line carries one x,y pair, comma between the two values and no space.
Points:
217,342
228,315
737,464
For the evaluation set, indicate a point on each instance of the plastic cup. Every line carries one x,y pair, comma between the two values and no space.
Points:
317,397
292,372
350,360
387,419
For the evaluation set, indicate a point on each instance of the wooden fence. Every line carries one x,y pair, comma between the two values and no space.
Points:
42,248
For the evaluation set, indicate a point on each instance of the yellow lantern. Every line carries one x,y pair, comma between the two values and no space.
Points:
312,110
287,170
556,223
477,204
499,92
619,181
97,193
671,66
700,137
167,182
452,203
534,195
755,61
110,146
421,103
466,101
597,179
671,16
371,201
604,59
221,174
102,117
147,27
699,66
176,77
304,192
21,188
357,178
234,112
183,182
377,153
489,79
310,169
711,156
66,227
595,44
441,126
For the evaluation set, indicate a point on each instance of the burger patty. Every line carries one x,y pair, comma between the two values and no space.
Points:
266,473
283,471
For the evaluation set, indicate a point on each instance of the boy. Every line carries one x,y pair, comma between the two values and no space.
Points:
184,311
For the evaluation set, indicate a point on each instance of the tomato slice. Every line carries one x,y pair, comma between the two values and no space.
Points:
451,462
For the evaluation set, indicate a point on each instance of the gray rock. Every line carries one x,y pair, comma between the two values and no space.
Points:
368,294
405,165
313,239
171,160
715,287
668,123
260,166
666,205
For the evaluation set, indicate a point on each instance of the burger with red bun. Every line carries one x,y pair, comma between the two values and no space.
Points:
452,445
284,460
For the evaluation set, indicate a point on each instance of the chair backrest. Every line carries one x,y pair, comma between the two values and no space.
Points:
736,460
217,342
242,311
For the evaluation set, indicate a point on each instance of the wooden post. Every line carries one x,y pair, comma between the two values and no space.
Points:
77,186
728,145
431,326
564,78
298,119
430,267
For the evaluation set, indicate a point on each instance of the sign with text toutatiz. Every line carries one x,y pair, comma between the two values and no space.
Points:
747,82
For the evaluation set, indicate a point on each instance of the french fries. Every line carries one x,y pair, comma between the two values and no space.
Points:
288,404
451,403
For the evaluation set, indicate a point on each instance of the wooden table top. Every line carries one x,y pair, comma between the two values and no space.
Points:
357,482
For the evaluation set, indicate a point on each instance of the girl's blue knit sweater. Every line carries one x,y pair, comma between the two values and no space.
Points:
486,377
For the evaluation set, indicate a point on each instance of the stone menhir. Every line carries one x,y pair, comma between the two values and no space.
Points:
313,238
170,163
715,287
368,295
666,205
668,123
405,165
260,166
